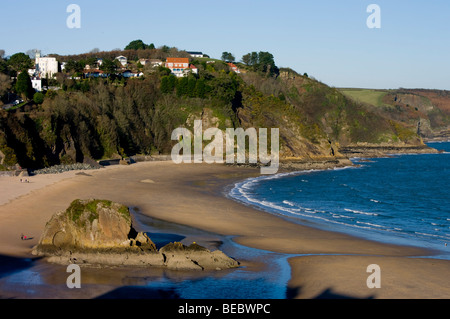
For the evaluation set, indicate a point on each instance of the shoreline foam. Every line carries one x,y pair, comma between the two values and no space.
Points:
307,217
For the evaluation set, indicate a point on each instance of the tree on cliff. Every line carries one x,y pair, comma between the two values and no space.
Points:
228,57
168,83
139,45
20,62
24,86
262,62
73,66
109,66
5,84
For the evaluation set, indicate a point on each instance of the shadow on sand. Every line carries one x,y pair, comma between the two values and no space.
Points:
171,293
141,293
328,293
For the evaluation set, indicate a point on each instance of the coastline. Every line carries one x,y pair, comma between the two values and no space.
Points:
322,263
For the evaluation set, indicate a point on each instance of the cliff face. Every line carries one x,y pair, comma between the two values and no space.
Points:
100,232
137,117
319,124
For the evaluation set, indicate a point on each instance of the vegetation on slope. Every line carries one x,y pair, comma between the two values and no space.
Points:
108,117
426,110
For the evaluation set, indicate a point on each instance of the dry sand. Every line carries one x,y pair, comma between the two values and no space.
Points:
192,194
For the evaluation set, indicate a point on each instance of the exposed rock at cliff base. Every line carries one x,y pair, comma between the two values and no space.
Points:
100,232
380,150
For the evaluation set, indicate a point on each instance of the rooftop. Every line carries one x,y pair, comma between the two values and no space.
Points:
177,60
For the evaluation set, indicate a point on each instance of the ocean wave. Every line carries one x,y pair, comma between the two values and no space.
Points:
294,209
288,203
370,224
242,188
345,216
357,215
444,236
360,212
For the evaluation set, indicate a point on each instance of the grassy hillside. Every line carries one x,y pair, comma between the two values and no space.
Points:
369,96
427,110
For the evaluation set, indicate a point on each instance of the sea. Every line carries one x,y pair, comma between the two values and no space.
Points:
400,199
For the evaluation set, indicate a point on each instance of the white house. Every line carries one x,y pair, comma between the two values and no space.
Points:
196,54
156,62
122,59
144,61
46,66
36,83
193,69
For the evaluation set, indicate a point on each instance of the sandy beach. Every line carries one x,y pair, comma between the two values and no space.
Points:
334,265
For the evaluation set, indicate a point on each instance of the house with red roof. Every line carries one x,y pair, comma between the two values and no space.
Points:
233,67
94,73
193,69
180,66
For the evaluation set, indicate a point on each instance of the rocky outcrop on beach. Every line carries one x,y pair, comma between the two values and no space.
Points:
100,232
178,256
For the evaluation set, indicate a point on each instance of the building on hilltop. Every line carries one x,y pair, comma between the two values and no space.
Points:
196,54
156,62
122,59
180,66
46,67
144,61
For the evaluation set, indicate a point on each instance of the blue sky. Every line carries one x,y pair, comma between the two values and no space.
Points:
328,39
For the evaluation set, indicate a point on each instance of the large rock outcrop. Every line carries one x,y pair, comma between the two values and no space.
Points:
100,232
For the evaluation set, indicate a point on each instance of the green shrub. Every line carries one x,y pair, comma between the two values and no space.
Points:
38,98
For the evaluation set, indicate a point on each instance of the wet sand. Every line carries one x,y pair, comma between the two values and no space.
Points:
323,264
